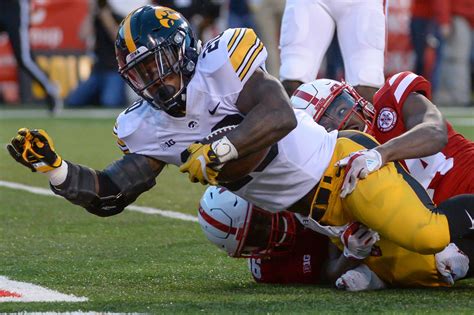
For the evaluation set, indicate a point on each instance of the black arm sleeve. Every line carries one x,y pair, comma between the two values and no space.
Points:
119,184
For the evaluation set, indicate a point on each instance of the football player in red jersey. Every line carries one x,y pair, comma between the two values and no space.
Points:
408,126
279,246
286,248
406,123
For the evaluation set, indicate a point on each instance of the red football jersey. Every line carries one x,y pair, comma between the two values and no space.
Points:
445,174
302,265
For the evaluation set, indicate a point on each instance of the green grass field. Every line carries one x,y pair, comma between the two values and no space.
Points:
145,263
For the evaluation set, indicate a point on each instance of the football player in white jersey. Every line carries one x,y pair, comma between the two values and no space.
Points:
307,29
188,93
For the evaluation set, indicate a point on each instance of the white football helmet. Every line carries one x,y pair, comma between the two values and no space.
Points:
243,230
332,104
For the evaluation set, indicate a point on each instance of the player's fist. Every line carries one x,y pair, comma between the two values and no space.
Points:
35,150
359,279
203,165
452,263
358,240
358,165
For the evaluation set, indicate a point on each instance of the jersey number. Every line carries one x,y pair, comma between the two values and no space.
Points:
211,46
425,169
134,106
254,266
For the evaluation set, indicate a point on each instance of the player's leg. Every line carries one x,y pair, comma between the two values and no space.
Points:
306,32
18,32
394,204
361,32
389,204
460,213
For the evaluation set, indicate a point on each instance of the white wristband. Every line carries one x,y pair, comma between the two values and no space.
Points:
224,149
58,175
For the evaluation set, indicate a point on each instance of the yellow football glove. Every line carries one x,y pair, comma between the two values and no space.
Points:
202,164
35,150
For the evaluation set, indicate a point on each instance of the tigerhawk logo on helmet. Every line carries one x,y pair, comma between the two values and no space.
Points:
166,16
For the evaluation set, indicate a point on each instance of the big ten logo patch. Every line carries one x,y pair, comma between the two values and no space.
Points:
386,119
306,263
166,16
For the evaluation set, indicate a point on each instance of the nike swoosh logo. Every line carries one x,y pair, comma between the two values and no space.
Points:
212,112
470,218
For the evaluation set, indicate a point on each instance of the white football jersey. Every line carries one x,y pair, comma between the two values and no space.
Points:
291,169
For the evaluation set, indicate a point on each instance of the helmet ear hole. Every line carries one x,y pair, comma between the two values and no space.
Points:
189,65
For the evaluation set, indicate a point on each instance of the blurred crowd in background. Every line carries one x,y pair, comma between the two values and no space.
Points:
72,42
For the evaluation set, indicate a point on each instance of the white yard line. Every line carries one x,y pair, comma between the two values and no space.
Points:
146,210
16,291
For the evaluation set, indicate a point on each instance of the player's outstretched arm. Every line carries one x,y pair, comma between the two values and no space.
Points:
103,193
426,135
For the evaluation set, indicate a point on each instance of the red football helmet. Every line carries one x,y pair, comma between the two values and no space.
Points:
243,230
334,105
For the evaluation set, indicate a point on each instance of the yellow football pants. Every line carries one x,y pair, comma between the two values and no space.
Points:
388,201
397,266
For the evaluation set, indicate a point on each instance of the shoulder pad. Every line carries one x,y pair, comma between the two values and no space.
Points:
245,50
231,58
402,84
129,120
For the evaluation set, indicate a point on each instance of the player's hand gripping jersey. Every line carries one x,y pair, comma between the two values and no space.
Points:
223,68
445,174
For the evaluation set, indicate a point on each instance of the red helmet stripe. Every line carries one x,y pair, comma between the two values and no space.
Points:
240,233
218,225
307,97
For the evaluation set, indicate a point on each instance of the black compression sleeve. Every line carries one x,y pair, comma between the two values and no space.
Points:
106,185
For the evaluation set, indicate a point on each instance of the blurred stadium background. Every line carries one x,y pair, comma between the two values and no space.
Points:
62,40
139,262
